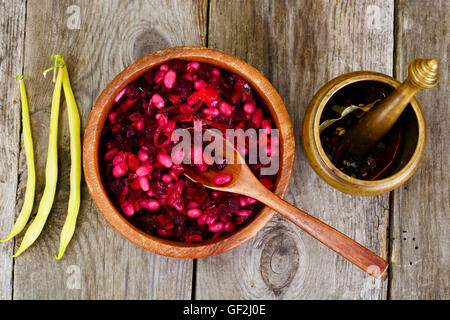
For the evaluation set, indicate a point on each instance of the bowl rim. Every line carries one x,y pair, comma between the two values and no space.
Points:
327,169
104,104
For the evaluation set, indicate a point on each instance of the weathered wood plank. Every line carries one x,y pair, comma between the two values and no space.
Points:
99,263
12,26
419,227
299,46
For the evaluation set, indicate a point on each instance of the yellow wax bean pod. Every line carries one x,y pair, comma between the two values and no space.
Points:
51,171
75,168
27,206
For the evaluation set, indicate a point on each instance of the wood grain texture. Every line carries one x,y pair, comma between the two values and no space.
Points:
99,263
299,46
421,207
12,27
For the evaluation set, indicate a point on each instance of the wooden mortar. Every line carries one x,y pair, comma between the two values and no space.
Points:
413,123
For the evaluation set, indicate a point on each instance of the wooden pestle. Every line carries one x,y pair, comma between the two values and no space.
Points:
376,123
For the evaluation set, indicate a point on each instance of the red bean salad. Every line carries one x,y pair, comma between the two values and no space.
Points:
143,181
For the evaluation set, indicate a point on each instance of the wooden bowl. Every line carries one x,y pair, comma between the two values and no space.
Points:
274,104
411,151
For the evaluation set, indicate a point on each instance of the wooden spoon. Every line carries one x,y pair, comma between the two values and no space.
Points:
244,182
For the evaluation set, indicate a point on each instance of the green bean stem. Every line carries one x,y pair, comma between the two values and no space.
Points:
75,168
51,174
27,206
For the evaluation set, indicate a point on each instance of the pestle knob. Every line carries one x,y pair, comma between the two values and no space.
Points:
376,123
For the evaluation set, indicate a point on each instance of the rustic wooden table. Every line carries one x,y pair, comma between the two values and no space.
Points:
298,46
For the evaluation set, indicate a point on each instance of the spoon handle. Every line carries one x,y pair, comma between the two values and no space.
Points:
333,239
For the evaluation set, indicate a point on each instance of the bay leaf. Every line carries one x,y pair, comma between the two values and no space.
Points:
344,111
